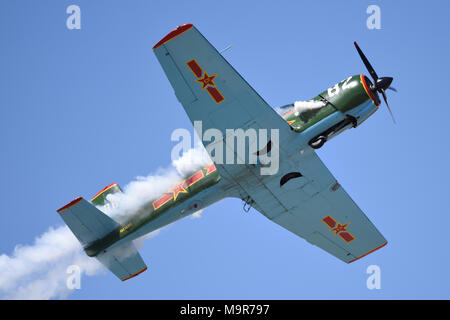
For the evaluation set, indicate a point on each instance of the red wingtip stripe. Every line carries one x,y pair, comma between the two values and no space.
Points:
70,204
134,275
368,252
174,33
103,190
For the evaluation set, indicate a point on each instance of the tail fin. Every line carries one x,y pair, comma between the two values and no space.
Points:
91,226
86,221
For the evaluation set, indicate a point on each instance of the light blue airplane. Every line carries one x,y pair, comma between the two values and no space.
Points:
301,195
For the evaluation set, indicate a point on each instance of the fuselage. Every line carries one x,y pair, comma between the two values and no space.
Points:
351,96
347,104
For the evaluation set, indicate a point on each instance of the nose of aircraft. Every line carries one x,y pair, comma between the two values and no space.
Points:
383,83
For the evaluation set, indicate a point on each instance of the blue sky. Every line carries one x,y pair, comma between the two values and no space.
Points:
81,109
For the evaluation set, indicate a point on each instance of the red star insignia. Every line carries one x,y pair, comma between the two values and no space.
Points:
177,190
339,228
207,80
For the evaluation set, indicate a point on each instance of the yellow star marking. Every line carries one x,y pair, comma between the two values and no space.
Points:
207,80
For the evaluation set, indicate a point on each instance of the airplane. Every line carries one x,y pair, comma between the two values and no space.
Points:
302,196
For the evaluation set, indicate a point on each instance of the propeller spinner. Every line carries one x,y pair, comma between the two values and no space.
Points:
380,84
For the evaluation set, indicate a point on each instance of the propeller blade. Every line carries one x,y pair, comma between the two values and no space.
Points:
387,104
366,62
393,89
380,84
383,83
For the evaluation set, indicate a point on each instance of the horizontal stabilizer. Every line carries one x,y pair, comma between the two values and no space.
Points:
86,221
123,260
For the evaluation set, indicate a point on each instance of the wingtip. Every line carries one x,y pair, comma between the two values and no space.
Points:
174,33
373,250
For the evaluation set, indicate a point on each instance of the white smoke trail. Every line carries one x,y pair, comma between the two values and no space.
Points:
302,106
140,192
191,161
39,271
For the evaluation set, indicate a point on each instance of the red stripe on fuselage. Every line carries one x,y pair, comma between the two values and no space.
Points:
210,169
193,179
180,188
162,200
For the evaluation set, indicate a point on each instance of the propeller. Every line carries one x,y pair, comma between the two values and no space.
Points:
379,84
393,89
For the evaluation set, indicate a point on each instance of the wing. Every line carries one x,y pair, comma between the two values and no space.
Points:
210,89
313,205
302,196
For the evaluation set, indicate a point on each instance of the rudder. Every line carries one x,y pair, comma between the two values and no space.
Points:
85,221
